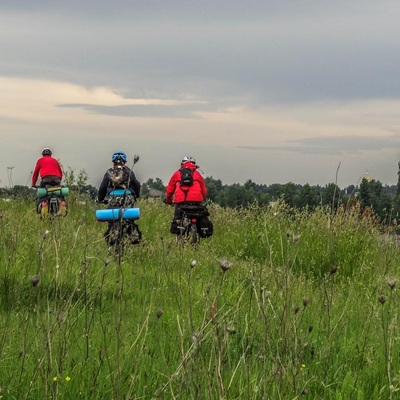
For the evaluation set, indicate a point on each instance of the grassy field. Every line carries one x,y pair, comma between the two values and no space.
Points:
278,304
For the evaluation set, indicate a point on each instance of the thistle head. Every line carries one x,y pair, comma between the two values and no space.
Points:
225,265
35,280
392,283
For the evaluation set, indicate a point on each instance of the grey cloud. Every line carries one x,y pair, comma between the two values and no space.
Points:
154,111
209,10
333,145
172,9
227,53
268,51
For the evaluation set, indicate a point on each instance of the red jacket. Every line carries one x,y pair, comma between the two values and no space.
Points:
196,192
46,166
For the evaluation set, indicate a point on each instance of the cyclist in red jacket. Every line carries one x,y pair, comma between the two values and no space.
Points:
49,170
185,187
178,193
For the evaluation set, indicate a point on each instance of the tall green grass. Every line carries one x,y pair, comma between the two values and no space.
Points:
278,304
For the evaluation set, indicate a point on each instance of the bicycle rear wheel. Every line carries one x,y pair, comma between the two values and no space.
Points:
194,234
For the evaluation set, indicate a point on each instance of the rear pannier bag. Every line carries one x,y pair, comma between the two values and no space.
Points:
205,227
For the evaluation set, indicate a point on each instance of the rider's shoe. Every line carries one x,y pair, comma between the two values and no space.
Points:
135,241
136,235
63,208
44,209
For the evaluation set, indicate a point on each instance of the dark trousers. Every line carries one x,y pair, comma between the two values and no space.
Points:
50,180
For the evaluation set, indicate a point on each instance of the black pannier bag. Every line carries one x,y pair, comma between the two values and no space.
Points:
174,227
194,210
205,227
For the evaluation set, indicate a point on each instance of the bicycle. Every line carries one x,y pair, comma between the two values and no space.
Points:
51,201
120,216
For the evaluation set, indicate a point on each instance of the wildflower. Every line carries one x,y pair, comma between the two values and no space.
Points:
196,337
106,262
160,312
45,234
55,379
35,280
305,301
266,293
392,283
207,289
67,378
296,238
302,366
213,310
382,299
225,265
193,263
230,328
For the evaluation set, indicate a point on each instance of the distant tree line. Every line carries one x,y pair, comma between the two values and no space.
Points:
371,195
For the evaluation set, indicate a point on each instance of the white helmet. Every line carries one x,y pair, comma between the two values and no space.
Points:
188,159
47,151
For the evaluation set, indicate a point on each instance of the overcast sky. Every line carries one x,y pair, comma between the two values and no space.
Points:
273,91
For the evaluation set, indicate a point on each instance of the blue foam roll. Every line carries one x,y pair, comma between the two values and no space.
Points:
132,213
119,192
114,214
